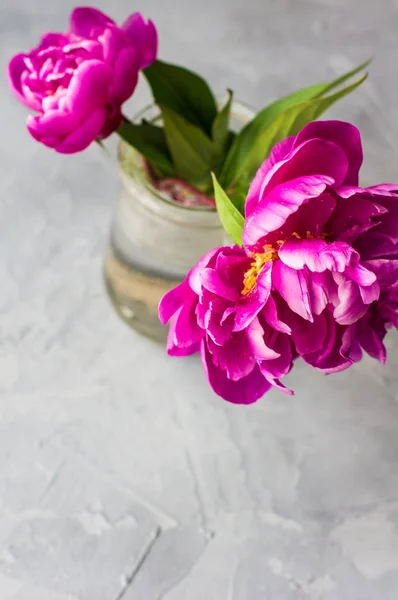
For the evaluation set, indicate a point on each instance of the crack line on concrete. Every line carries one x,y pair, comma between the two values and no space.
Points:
130,578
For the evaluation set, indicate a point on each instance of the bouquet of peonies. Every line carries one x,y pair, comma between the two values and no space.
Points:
312,271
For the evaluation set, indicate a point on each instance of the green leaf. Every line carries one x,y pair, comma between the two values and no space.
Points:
231,219
241,148
191,149
339,80
238,193
275,122
291,121
184,92
313,110
220,128
103,147
150,141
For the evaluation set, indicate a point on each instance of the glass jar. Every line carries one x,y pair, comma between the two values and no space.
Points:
154,240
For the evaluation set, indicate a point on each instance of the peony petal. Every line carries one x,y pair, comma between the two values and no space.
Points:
278,153
381,240
345,136
50,142
389,314
329,329
284,200
203,313
172,301
360,275
339,350
34,91
375,245
312,217
231,267
317,255
386,272
293,287
310,158
113,41
16,68
372,342
194,276
112,123
322,290
53,40
280,366
217,322
276,383
87,22
255,336
369,293
80,49
219,331
270,315
50,103
228,313
244,391
82,137
88,89
351,306
173,350
212,281
143,37
235,357
125,73
250,304
308,337
384,188
353,216
388,221
54,123
186,331
355,353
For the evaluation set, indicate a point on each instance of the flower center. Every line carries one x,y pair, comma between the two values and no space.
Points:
259,260
270,253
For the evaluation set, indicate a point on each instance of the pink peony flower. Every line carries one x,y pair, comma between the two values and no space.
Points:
297,208
316,277
78,81
243,353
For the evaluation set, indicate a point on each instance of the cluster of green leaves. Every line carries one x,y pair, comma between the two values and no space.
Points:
279,120
194,139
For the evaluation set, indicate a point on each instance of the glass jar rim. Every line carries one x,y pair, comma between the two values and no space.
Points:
240,110
145,181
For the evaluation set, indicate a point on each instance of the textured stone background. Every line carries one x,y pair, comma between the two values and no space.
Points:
121,475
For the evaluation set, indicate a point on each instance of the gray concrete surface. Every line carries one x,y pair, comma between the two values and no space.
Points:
121,475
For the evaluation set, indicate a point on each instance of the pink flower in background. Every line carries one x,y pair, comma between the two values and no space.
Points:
144,37
78,81
316,277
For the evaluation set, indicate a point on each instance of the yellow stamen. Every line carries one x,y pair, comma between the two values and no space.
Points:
250,277
270,253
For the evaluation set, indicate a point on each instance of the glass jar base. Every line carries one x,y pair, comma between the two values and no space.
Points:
135,295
